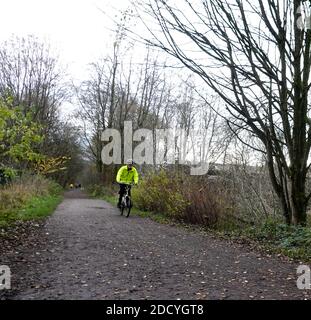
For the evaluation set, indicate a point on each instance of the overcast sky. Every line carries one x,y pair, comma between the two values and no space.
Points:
81,31
78,29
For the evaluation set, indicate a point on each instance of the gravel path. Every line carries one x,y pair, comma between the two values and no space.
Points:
86,250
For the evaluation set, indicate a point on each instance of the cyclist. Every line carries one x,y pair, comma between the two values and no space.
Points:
126,175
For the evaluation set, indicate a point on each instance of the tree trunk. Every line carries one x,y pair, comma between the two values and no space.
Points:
286,209
298,200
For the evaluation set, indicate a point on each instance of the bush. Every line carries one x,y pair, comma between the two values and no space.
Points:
159,193
97,190
188,199
252,193
54,188
209,200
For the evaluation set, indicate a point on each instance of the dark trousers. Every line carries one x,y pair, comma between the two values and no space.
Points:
122,192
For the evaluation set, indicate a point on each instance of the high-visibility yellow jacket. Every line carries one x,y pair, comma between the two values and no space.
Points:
127,176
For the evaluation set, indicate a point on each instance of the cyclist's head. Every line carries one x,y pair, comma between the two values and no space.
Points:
129,163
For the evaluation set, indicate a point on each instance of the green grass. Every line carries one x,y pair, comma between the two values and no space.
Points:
274,236
34,208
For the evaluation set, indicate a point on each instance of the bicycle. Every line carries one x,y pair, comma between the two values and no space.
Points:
126,202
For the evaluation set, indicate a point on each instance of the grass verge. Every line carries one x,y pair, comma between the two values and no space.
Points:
34,208
30,197
275,237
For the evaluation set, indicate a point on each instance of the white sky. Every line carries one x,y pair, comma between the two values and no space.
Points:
79,30
76,28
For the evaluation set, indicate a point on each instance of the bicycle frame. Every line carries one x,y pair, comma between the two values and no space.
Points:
126,202
126,193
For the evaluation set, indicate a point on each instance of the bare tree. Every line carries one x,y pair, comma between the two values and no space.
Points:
30,74
116,93
93,97
256,56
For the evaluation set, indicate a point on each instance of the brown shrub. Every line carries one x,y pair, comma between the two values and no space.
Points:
189,199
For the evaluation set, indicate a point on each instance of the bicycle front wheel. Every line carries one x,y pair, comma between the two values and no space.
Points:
128,207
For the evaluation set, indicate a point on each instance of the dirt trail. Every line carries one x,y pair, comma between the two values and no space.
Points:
86,250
